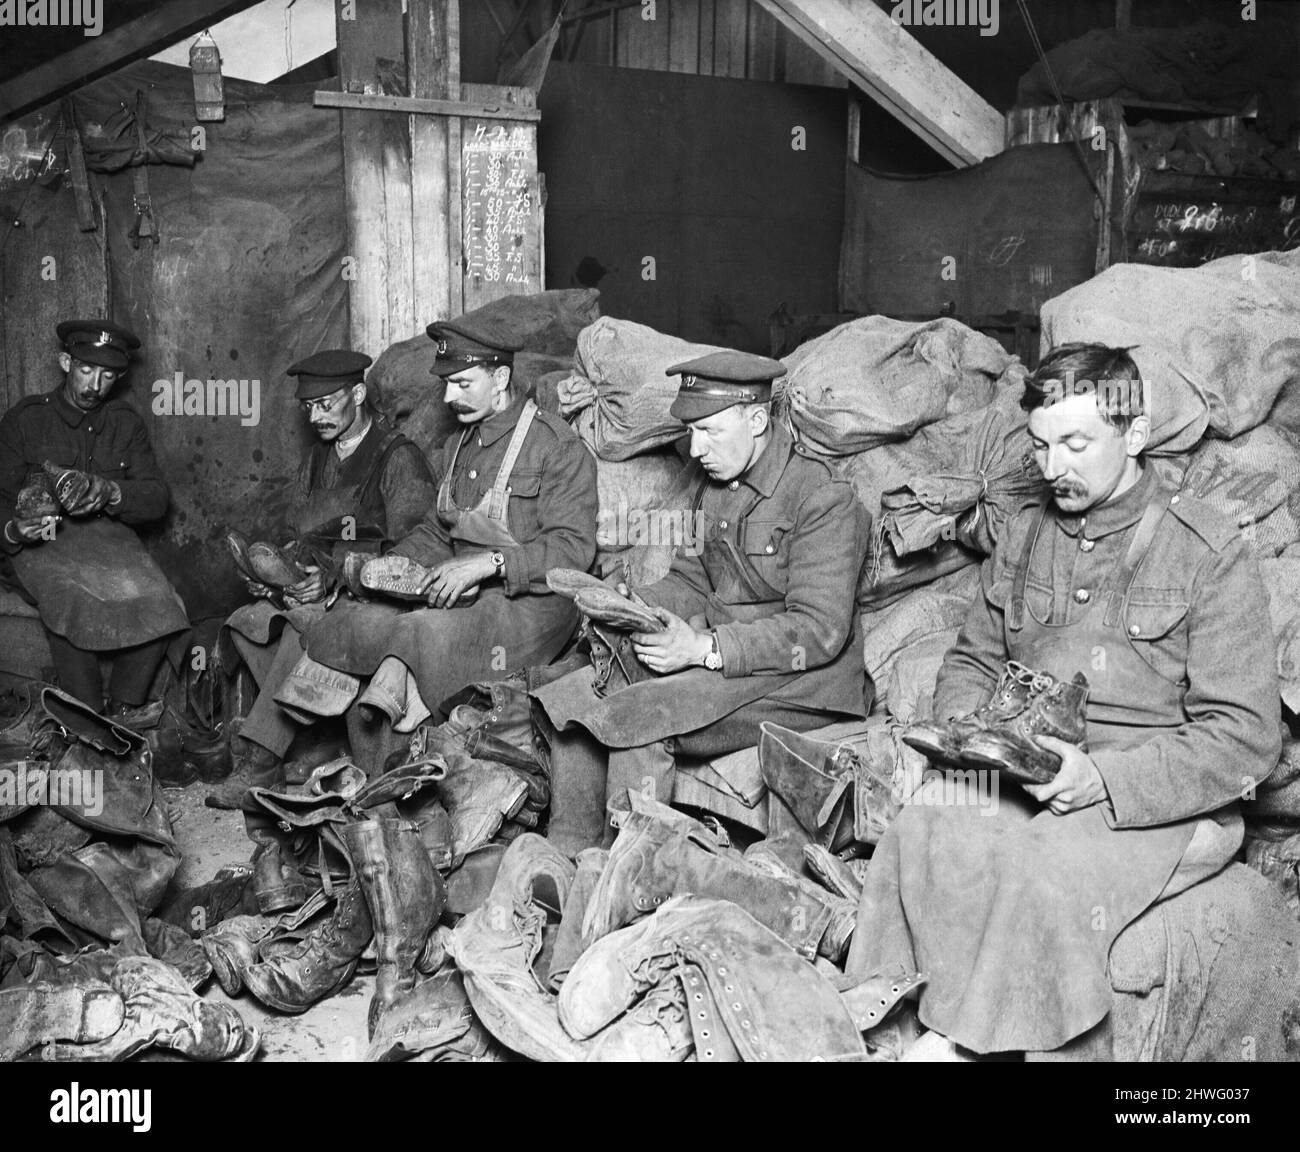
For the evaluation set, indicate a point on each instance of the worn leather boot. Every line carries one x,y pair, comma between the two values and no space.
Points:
254,767
1058,710
325,960
231,948
661,853
278,885
405,896
943,739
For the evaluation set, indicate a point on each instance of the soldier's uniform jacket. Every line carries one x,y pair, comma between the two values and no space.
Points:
1197,616
776,575
552,502
111,442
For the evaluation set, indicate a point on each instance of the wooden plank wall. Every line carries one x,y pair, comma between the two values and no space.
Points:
733,38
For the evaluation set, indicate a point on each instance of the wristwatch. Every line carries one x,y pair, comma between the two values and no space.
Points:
499,559
713,660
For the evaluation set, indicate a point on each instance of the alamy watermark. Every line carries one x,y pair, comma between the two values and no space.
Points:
88,15
957,788
43,786
1117,397
981,14
180,397
624,526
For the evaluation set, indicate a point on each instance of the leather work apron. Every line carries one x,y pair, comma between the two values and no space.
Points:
692,698
1013,911
96,585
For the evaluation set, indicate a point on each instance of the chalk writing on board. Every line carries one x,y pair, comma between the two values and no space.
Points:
498,202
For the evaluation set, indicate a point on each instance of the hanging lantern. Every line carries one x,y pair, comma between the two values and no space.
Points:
209,93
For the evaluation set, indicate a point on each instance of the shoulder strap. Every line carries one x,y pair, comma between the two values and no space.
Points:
1016,602
1121,579
497,499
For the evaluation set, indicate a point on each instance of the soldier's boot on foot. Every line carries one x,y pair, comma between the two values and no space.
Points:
322,963
943,739
405,896
1059,709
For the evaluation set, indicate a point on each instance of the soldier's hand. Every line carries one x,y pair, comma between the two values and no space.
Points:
452,578
259,590
1077,785
677,646
100,493
32,529
308,591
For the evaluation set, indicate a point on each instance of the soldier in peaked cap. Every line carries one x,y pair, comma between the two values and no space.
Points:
517,496
758,612
362,487
97,589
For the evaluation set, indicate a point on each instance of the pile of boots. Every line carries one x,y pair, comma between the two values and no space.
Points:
395,898
1002,733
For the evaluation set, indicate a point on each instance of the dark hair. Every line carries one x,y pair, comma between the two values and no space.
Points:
1078,369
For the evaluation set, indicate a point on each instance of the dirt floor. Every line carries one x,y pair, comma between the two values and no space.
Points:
334,1029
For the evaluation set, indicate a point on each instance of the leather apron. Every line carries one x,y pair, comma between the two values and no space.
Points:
692,698
1024,904
97,586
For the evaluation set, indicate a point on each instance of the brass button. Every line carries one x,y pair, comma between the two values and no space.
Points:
722,523
734,485
1082,596
1086,545
769,549
1174,500
1133,629
473,474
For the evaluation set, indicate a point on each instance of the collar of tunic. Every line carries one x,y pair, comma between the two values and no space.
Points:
1115,515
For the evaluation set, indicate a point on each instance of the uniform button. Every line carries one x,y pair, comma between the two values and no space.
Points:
1174,500
734,485
1082,595
1087,545
1133,629
473,473
769,549
722,523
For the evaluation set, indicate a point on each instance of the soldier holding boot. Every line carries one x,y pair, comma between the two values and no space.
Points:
758,617
77,473
362,486
1156,600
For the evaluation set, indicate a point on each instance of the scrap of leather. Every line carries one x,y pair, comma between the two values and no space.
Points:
871,1001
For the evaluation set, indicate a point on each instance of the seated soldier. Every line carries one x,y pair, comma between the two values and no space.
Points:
1155,598
86,460
361,486
759,618
517,497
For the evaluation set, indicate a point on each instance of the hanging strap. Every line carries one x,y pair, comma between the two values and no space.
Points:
145,227
1016,604
1121,582
499,496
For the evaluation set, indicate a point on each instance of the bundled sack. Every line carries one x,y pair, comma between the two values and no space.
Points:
876,380
938,607
1254,480
985,472
1216,345
644,514
628,364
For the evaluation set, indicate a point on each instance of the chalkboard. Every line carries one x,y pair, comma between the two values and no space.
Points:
1180,220
500,211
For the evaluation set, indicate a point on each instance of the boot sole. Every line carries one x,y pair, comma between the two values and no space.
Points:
1040,772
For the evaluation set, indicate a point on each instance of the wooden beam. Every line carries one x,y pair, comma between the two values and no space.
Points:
112,50
684,36
887,63
420,106
433,49
730,37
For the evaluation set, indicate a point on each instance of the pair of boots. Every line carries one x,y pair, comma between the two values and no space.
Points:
395,897
1001,734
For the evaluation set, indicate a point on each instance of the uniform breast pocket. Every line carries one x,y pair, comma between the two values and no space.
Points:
1156,625
109,466
524,488
767,549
